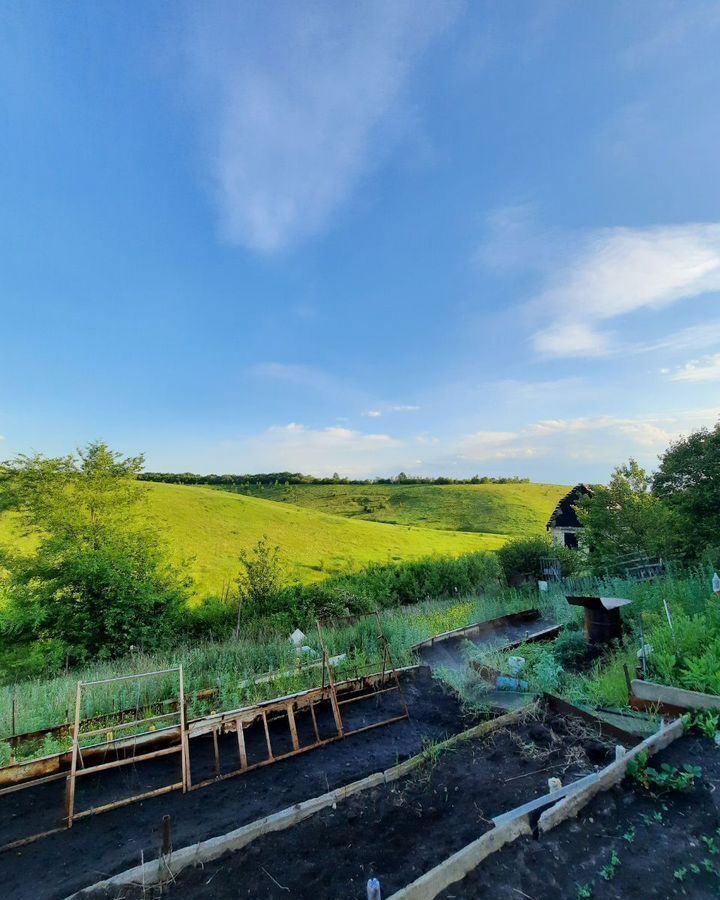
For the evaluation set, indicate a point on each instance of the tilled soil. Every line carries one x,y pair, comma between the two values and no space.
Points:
101,845
398,831
667,846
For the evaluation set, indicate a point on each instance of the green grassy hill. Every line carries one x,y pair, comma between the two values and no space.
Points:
213,526
505,509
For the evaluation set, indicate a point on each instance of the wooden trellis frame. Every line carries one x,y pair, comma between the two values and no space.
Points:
286,707
77,758
388,666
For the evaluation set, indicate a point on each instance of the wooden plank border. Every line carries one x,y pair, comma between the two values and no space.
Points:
517,822
204,851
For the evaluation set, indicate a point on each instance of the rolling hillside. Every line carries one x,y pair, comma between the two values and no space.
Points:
213,526
505,509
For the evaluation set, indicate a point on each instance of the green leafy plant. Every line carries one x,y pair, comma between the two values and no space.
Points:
704,721
609,870
680,873
629,835
585,891
710,844
668,778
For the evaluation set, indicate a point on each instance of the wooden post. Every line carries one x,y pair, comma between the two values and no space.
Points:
314,721
166,848
70,785
331,682
293,728
184,746
216,751
241,744
267,735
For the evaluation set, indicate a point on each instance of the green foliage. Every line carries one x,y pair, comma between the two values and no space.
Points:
570,647
585,891
668,778
621,519
98,581
609,870
688,481
524,556
260,581
705,721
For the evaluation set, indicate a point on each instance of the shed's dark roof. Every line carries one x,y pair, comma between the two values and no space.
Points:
565,515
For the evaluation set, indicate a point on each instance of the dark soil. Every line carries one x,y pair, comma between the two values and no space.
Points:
398,831
101,845
660,842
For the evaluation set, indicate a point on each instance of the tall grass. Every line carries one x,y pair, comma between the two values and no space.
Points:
687,656
231,665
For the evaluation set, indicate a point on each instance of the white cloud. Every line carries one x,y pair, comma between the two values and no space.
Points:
404,407
373,413
605,439
706,369
293,97
694,337
321,451
589,280
620,271
488,445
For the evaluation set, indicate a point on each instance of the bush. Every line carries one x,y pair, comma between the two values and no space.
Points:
570,647
377,587
524,557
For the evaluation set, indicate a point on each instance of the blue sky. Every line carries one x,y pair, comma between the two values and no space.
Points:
443,237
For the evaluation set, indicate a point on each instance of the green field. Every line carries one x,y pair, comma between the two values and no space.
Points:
211,527
504,509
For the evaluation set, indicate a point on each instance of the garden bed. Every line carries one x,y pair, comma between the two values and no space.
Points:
665,845
399,830
104,844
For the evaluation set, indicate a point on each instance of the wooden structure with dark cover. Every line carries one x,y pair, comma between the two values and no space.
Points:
564,526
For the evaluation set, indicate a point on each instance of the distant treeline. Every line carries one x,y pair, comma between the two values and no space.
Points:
275,478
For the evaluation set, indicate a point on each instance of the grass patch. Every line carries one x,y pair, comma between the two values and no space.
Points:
211,527
501,509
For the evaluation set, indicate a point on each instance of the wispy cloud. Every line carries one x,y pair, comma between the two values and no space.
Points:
293,96
591,439
697,370
398,408
589,281
321,451
620,271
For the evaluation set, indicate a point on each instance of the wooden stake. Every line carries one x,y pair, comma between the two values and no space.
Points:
184,742
293,728
216,751
267,735
241,744
70,785
314,721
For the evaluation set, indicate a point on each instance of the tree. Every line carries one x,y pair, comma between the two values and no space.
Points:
622,518
260,581
99,579
688,482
